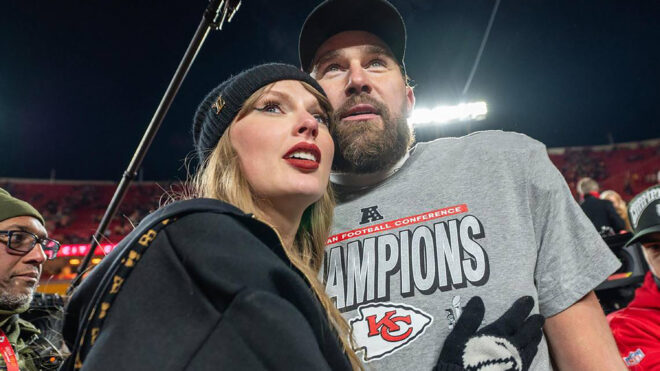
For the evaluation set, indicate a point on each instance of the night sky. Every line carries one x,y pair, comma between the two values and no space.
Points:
79,81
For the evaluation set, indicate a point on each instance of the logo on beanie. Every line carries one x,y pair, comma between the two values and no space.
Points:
219,103
383,328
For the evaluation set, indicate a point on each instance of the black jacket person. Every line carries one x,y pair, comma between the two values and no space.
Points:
602,213
206,285
212,290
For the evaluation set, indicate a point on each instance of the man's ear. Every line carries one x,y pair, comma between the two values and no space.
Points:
410,98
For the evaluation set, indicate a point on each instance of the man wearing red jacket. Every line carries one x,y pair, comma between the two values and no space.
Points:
636,328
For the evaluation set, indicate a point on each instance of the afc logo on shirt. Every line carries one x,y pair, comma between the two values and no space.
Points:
370,214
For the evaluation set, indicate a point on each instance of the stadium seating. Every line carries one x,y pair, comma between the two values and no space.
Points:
73,209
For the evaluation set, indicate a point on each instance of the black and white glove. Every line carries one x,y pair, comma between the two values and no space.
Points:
509,343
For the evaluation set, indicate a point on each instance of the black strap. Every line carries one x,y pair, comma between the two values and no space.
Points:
131,250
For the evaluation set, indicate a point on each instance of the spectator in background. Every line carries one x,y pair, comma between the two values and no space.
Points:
636,328
600,212
619,205
24,248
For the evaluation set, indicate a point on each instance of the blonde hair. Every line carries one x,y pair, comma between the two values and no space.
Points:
619,205
220,177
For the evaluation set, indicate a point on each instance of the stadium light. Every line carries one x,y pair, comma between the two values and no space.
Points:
446,114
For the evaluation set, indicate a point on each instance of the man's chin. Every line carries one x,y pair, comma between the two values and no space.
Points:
16,301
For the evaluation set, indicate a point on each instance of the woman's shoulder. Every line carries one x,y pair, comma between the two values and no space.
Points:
201,217
209,224
183,208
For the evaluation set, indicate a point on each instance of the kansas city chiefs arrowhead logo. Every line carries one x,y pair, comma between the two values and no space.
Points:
381,329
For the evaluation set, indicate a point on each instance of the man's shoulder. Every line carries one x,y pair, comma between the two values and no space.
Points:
595,202
488,140
633,319
27,327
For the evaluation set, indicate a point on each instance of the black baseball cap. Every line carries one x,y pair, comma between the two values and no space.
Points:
331,17
644,214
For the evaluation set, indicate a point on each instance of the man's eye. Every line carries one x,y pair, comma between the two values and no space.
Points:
272,107
332,68
376,63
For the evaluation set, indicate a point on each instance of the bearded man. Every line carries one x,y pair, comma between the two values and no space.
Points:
24,247
419,231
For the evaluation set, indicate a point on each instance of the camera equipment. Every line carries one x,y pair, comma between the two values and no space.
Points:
619,288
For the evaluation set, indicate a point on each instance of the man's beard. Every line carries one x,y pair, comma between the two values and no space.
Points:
362,147
12,302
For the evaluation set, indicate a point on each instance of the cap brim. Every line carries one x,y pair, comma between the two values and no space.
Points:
643,233
332,17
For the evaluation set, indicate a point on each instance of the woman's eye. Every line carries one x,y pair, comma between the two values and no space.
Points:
271,107
321,118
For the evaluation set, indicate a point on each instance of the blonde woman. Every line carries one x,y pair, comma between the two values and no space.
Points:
228,280
619,205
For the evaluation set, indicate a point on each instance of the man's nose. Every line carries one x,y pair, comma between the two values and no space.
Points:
36,255
358,81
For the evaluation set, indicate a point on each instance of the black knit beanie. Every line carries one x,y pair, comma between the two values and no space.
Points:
223,103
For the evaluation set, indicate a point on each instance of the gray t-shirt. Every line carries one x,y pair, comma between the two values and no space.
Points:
487,215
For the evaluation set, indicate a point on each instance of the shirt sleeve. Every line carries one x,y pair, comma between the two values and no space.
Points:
572,257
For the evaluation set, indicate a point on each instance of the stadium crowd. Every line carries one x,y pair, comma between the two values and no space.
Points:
73,209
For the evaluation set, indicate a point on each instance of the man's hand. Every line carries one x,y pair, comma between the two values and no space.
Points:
509,343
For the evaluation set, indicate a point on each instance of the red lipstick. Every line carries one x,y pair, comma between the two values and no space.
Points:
304,156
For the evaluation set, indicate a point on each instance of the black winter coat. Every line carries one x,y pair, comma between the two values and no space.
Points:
602,213
213,290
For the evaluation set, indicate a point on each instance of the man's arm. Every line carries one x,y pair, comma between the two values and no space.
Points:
580,339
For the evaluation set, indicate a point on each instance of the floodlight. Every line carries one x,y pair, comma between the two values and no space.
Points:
444,114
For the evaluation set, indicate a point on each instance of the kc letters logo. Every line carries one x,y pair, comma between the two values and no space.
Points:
383,328
368,269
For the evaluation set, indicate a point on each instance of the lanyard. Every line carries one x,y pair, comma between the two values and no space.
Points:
8,353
